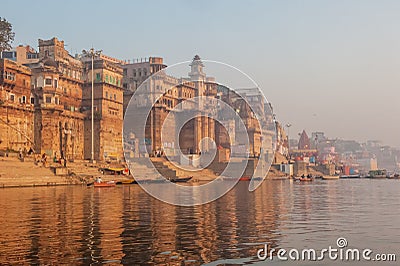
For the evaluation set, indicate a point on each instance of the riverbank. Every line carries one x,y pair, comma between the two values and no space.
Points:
27,173
17,173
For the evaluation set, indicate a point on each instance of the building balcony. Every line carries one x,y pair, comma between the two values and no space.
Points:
52,106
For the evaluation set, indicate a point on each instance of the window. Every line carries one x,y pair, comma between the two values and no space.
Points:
55,83
23,100
125,72
48,99
7,54
9,75
12,97
56,100
107,78
134,72
32,100
32,56
48,82
106,94
98,77
115,97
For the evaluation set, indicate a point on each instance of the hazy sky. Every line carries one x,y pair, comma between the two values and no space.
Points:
331,66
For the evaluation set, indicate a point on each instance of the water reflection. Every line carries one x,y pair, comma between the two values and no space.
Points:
123,225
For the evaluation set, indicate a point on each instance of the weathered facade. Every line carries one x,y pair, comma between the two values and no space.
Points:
171,92
57,89
16,108
136,73
108,108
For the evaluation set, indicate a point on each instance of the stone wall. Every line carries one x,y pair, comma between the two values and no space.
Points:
16,127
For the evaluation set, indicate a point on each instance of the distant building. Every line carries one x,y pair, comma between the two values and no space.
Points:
21,54
304,141
281,140
317,137
261,114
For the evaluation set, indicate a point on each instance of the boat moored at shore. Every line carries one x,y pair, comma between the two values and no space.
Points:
380,173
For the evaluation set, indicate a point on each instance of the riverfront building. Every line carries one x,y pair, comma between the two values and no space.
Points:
57,90
108,108
137,72
45,102
16,106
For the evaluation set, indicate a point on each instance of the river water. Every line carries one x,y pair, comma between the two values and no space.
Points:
77,225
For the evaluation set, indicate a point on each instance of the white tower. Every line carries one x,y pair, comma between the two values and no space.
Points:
197,75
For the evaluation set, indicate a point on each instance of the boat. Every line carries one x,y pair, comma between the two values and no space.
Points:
330,177
126,182
104,184
394,176
381,173
243,178
114,171
303,179
350,176
181,179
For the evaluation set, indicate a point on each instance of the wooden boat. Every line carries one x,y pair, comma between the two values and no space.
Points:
114,171
126,182
395,176
243,178
377,174
303,179
181,179
104,184
350,176
330,177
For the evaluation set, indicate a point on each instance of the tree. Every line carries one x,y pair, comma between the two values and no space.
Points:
6,35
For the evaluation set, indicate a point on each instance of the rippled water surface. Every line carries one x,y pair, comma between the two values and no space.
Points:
123,225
